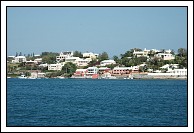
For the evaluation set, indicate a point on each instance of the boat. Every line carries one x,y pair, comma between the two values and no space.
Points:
8,77
22,77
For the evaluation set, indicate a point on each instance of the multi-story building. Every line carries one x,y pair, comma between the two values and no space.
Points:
104,70
63,55
39,60
121,70
145,53
165,56
19,59
107,62
92,72
55,67
78,61
90,55
80,73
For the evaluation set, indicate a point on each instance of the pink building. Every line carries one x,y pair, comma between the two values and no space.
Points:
80,73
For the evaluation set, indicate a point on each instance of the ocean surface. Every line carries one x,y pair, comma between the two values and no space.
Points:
90,102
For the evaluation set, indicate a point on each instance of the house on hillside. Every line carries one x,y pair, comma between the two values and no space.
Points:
19,59
90,55
63,55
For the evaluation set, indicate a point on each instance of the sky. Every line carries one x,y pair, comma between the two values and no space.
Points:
95,29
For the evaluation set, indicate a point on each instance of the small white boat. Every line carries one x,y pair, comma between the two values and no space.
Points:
8,77
22,77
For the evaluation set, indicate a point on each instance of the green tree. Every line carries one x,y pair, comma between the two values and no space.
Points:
94,62
116,58
103,56
111,66
127,53
69,68
182,52
49,57
77,54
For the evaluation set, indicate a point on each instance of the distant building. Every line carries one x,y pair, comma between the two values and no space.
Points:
92,70
63,55
38,60
103,70
19,59
43,65
90,55
55,67
175,72
165,56
122,70
78,61
180,72
144,53
37,55
107,62
170,66
31,63
80,73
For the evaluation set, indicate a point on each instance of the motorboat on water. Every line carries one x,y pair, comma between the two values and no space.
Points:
22,77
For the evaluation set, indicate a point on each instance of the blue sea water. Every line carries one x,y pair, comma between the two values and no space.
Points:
87,102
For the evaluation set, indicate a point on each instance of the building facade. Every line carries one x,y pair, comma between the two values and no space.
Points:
107,62
55,67
63,55
90,55
19,59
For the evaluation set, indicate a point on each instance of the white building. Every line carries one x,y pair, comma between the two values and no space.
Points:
165,56
72,59
64,55
83,62
180,72
92,70
135,68
90,55
78,61
144,53
19,59
43,65
107,62
175,72
167,51
170,66
39,60
31,62
56,67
